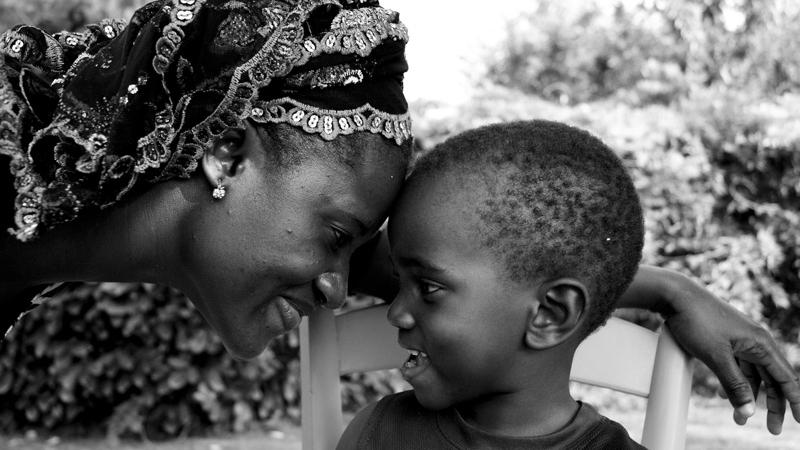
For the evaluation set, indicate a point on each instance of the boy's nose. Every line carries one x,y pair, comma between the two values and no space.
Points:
398,314
331,289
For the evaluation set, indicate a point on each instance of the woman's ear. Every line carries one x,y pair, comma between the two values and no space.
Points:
222,161
557,313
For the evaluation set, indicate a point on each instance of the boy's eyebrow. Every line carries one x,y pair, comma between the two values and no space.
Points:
420,263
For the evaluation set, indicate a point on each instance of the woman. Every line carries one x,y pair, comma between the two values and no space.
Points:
242,152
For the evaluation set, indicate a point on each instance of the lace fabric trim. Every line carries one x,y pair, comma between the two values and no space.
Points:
32,190
27,182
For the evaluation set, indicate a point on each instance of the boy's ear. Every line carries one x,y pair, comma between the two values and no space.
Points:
556,314
222,161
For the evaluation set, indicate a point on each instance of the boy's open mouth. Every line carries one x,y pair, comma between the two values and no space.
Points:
416,363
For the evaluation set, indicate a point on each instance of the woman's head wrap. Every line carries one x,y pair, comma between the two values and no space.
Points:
87,117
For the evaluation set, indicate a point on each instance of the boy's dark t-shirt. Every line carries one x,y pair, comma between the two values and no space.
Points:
399,422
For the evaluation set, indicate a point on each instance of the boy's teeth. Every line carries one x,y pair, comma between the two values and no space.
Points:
414,358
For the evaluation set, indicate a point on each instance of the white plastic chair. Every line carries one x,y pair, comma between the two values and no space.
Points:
620,356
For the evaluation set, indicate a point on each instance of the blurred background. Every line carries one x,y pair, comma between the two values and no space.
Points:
699,97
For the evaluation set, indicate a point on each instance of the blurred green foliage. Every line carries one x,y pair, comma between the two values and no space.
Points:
651,50
698,97
136,359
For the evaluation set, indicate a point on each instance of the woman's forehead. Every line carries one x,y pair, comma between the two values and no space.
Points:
362,192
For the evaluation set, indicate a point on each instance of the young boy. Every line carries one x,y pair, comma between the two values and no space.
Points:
512,243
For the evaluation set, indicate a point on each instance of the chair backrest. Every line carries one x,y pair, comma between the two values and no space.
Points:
620,356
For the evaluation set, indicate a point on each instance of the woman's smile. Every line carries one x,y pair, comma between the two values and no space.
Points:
304,308
289,313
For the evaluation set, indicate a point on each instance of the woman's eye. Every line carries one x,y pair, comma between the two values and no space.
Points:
341,238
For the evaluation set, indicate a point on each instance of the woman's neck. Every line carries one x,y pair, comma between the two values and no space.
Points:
126,243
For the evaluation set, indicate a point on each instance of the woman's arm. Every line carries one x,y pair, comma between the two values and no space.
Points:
739,352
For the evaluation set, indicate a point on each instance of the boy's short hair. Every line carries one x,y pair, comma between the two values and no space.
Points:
558,203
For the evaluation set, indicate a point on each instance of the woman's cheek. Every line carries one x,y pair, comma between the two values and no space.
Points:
302,266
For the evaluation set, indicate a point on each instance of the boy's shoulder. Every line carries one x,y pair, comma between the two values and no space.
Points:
604,433
398,422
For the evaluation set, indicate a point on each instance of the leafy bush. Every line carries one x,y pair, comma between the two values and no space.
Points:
136,360
572,54
650,52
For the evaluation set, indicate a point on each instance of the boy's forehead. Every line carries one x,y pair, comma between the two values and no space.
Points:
437,221
438,199
437,188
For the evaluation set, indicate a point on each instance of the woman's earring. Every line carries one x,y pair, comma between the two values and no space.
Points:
219,191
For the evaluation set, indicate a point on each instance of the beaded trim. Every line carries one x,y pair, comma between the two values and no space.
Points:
331,123
23,47
182,13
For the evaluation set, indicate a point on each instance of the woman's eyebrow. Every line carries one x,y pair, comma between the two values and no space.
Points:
363,229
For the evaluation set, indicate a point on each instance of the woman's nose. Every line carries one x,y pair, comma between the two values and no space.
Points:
399,315
331,289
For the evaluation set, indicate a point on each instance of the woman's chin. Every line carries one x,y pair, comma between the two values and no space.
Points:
249,346
246,332
246,351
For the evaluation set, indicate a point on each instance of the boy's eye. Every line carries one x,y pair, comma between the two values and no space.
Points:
427,288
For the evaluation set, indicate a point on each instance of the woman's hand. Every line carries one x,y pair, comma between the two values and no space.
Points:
740,352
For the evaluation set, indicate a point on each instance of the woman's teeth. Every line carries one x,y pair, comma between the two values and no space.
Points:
415,358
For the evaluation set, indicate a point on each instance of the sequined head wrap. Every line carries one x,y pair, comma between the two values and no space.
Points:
88,117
